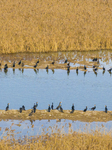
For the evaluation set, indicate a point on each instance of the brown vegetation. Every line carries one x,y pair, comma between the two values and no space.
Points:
94,140
42,26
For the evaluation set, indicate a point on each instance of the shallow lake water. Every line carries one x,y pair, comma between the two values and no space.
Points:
33,128
25,88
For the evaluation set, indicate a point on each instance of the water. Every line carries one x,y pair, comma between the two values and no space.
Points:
28,128
29,87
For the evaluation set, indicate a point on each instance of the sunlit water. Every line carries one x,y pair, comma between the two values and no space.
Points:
26,88
34,128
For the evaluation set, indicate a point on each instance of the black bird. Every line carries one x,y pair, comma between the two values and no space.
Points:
106,109
20,109
7,108
73,108
5,67
52,63
35,65
61,109
94,59
37,61
47,67
77,69
94,66
14,64
58,105
84,67
85,109
23,107
103,69
49,108
109,70
30,114
93,108
34,108
65,61
95,69
52,106
19,62
0,64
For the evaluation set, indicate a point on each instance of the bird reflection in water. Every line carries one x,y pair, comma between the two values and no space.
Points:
48,120
47,71
84,73
58,120
22,70
53,71
19,69
35,71
13,71
68,72
103,72
95,73
32,121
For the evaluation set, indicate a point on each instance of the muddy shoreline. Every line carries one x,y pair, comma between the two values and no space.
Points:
89,116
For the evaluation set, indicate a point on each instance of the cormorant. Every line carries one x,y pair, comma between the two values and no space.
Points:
77,69
65,61
85,109
23,107
58,105
95,69
37,61
103,69
52,63
34,108
0,64
52,106
93,108
72,108
19,62
5,67
14,64
7,108
35,65
61,109
20,109
84,67
47,67
109,70
94,59
49,108
106,109
30,114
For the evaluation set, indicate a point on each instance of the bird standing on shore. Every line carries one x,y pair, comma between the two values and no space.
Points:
58,106
7,108
85,109
73,108
49,108
34,108
19,62
14,64
52,106
93,108
106,109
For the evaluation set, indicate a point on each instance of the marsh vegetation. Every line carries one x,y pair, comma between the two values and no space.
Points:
43,26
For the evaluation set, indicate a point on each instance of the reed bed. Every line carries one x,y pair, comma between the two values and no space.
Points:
48,26
58,140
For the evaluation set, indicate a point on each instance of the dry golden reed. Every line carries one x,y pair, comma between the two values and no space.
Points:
46,25
96,140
